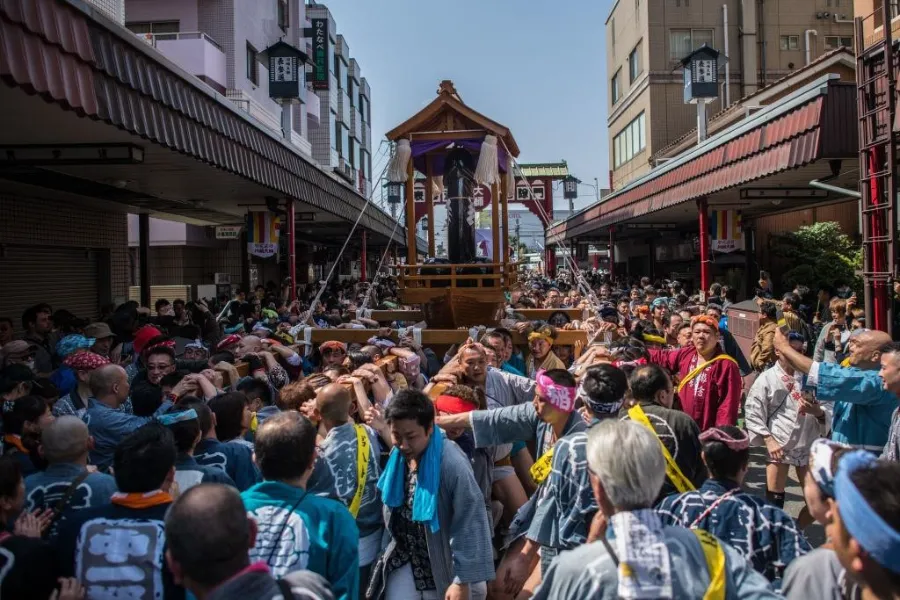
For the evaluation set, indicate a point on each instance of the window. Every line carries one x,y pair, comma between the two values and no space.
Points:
352,86
336,142
337,67
252,65
684,41
284,17
789,42
614,88
833,42
833,3
629,142
351,152
634,63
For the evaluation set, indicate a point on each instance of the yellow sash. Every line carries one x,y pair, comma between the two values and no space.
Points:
362,467
846,362
700,368
541,468
681,483
715,564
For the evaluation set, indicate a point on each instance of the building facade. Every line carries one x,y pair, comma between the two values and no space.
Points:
341,135
646,40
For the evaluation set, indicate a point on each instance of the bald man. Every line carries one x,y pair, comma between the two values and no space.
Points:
65,444
336,472
108,426
863,407
209,537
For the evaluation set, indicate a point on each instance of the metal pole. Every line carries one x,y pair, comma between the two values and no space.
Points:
704,245
292,248
144,257
701,121
363,258
597,188
727,66
612,253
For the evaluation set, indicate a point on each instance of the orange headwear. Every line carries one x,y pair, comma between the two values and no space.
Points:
706,320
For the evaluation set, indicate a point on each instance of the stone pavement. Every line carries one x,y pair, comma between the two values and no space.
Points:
793,497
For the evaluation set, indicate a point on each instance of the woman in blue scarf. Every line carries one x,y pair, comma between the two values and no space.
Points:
439,534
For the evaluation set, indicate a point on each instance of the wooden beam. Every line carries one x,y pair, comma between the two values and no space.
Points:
432,336
495,223
429,204
504,217
438,136
411,251
542,314
386,316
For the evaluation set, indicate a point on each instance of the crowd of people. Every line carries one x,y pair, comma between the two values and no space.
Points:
209,449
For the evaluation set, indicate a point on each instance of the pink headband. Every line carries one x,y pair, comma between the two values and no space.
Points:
717,435
559,396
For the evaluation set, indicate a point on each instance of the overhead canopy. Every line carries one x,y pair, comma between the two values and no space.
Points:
810,125
448,118
74,77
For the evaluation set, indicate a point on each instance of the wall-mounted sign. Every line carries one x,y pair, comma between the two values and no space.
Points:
228,232
285,72
320,54
263,234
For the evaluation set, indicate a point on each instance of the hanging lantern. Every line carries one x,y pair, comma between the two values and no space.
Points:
287,70
701,75
393,192
570,188
425,223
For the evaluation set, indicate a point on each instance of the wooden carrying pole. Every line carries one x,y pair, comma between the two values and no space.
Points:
411,214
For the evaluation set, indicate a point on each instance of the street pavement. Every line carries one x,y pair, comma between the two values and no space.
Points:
755,483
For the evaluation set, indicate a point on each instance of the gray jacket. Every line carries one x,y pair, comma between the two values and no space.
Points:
461,551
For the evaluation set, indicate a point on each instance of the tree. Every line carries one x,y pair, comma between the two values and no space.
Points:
818,253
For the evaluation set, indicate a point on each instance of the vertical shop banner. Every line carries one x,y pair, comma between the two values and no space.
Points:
263,234
320,53
725,230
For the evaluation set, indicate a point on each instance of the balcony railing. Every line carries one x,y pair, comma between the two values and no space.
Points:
153,38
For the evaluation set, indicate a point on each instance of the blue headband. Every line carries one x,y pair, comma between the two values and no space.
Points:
172,418
879,539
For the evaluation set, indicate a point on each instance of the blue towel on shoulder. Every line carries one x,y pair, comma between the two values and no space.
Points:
427,485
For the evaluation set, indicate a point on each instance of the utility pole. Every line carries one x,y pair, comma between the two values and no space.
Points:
518,239
597,188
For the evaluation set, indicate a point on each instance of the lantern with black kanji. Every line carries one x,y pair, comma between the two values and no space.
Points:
393,192
287,70
570,187
701,75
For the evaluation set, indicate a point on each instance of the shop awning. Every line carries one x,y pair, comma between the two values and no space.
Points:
811,124
70,55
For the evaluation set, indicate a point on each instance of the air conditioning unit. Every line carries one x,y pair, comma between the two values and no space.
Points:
221,278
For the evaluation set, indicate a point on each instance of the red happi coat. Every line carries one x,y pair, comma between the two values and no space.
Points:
711,398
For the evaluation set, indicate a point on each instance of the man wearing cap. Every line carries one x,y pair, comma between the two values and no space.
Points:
863,408
103,338
710,382
76,401
64,377
18,352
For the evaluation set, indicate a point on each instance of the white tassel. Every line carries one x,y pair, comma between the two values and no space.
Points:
399,163
487,172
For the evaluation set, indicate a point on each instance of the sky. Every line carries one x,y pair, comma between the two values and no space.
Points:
536,67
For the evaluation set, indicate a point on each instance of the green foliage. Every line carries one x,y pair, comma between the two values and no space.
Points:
816,253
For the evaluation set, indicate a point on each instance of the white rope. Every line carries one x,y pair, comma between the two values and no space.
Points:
337,260
567,255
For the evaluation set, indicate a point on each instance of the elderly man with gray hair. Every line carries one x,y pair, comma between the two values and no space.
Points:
639,557
67,484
